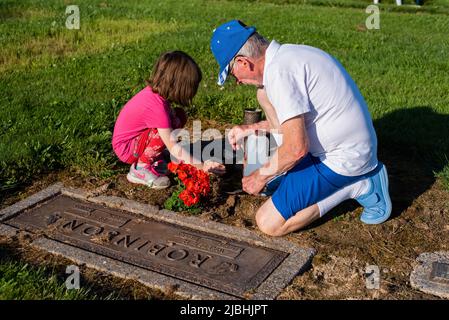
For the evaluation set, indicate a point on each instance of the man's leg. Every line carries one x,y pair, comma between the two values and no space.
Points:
270,221
352,191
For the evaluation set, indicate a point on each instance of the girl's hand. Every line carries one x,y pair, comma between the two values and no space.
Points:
210,166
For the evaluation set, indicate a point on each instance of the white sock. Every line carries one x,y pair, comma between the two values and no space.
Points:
352,191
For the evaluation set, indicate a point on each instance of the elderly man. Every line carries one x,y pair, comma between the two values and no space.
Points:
329,146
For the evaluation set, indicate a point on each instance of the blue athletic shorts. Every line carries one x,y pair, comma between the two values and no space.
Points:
309,182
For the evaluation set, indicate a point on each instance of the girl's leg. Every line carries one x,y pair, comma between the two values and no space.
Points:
154,145
153,150
149,146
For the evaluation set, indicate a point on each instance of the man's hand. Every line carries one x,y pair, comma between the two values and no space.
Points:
254,183
214,167
236,134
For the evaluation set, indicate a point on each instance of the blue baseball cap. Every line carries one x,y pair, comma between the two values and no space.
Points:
226,41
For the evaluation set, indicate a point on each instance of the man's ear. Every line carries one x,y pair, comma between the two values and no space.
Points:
244,61
251,65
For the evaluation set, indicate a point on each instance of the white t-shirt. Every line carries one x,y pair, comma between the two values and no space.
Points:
300,79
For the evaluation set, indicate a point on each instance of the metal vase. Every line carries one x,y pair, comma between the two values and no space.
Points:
252,116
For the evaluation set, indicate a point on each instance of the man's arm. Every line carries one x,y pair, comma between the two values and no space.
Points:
295,145
237,133
262,125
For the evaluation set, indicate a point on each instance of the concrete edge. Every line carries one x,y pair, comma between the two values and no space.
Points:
284,274
30,201
7,231
420,275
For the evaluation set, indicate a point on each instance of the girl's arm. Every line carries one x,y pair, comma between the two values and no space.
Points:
175,148
184,155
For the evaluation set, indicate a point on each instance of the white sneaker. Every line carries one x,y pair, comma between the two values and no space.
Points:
147,176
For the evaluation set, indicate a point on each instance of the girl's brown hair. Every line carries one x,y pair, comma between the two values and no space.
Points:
175,77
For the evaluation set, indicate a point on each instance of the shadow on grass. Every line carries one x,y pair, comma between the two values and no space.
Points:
413,143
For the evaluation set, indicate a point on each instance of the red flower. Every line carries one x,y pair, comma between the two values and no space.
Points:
189,198
182,175
196,182
172,167
190,185
185,197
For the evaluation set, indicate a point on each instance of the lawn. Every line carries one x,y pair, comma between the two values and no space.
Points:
24,282
61,89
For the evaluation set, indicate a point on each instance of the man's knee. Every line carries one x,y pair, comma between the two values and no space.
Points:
269,222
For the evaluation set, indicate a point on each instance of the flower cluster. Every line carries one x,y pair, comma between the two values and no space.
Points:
196,182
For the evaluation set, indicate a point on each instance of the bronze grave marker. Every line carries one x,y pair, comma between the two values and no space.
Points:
224,264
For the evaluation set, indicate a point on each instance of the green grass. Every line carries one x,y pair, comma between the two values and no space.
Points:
430,6
61,89
444,176
20,281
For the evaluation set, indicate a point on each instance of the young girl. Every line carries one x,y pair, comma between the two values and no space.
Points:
144,126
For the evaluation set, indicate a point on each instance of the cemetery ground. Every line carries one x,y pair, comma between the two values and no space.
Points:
61,91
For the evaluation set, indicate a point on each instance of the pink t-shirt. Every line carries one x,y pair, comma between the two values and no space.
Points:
145,110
